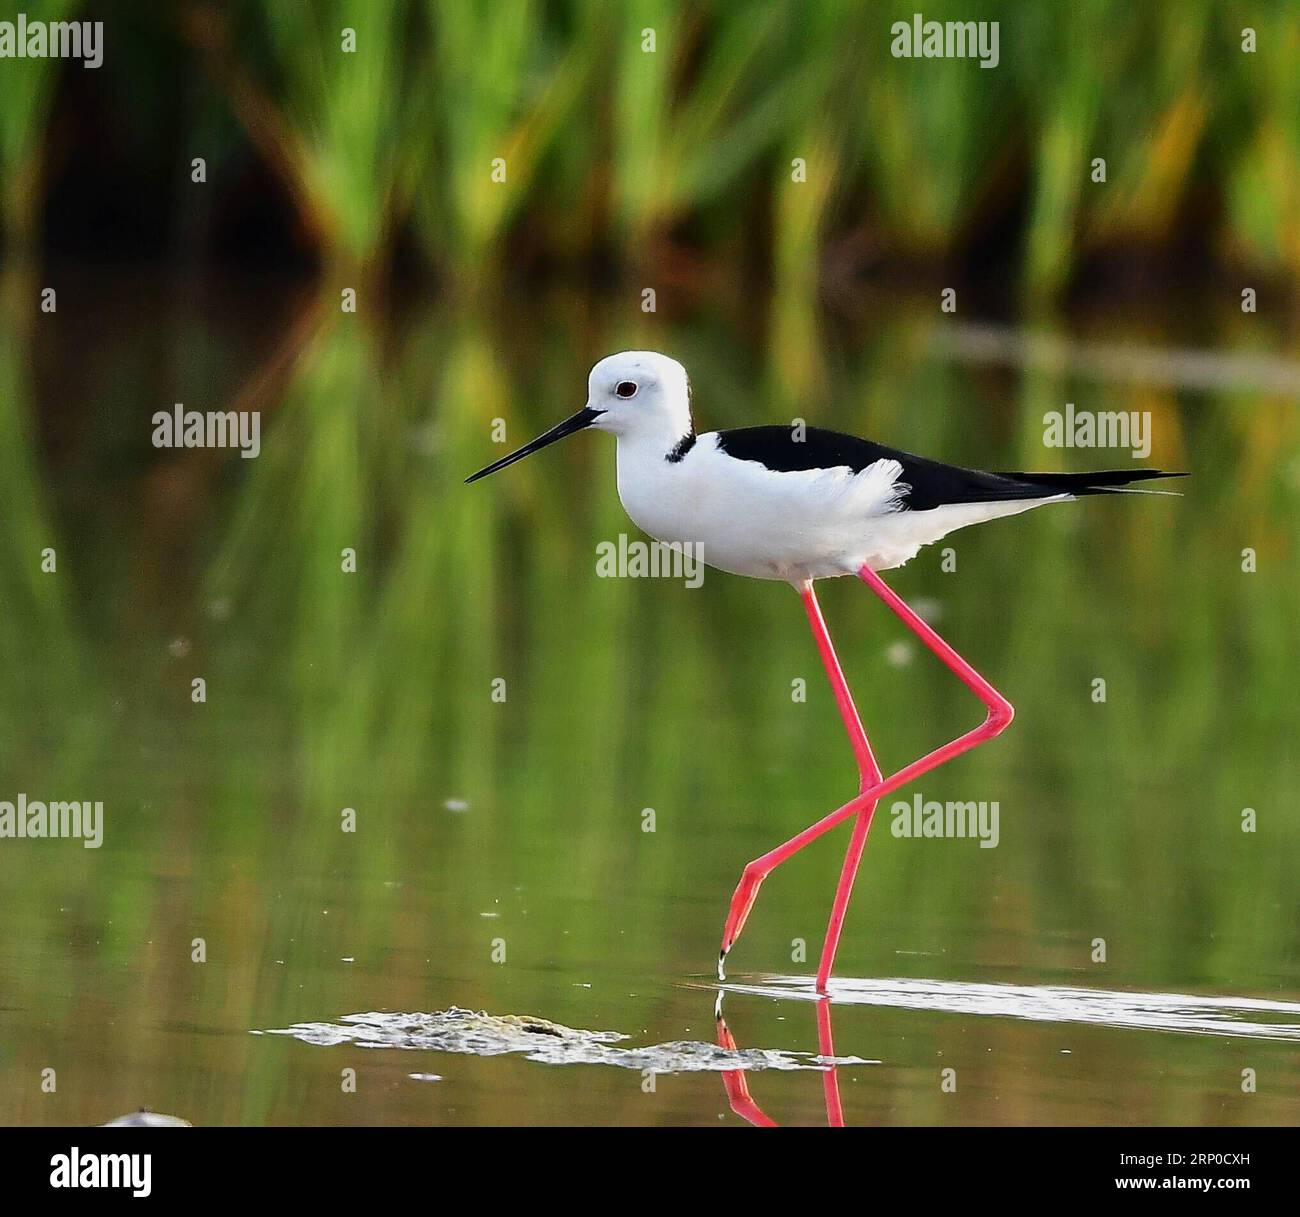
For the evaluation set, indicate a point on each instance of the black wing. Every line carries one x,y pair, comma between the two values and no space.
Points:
930,483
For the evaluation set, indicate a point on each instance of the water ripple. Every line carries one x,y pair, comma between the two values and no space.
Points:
1251,1017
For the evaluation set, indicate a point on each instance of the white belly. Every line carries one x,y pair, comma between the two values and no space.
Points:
807,524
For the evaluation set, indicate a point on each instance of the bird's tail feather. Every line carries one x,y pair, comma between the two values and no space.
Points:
1105,481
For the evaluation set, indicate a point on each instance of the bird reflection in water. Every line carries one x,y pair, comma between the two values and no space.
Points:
736,1081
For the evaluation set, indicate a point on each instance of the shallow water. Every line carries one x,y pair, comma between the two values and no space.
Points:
501,859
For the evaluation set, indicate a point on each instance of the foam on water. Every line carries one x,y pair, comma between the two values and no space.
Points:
482,1034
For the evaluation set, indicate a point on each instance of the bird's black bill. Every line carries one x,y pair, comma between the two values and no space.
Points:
584,418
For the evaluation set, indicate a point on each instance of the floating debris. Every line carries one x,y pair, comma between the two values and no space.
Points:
144,1118
539,1039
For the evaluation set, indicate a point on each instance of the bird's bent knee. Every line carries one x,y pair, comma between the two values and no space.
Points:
1000,716
752,873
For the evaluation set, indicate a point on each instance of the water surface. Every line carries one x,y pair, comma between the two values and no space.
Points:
500,860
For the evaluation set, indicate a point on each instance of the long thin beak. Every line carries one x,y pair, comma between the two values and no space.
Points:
584,418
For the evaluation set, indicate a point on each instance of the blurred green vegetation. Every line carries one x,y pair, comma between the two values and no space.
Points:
614,150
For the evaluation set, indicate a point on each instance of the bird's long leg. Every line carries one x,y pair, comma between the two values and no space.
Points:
868,771
1000,714
868,774
843,890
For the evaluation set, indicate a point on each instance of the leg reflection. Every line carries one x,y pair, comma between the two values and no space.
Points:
736,1081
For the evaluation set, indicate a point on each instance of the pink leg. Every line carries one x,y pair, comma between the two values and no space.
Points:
868,773
1000,714
848,873
868,770
867,767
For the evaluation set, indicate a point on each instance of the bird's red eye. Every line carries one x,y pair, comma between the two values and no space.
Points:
626,388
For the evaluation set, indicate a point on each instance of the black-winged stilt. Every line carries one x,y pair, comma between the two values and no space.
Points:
801,504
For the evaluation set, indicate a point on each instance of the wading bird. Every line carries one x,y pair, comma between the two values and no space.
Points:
801,504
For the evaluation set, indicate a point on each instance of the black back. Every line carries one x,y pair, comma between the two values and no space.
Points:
930,483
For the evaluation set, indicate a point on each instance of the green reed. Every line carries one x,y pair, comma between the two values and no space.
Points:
665,134
26,91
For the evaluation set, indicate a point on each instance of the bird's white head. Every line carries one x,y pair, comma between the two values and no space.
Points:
640,396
